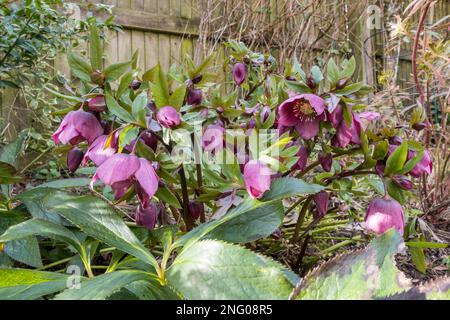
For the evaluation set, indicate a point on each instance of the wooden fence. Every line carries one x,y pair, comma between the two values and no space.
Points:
165,30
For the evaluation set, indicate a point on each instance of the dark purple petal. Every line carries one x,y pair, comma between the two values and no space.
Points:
326,160
147,216
308,128
239,73
74,158
147,177
321,200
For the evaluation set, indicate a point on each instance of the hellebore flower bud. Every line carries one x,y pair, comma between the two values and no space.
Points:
396,140
168,117
291,78
197,79
321,200
341,83
311,83
147,217
379,168
195,96
150,140
251,123
135,84
97,103
239,73
74,158
98,77
419,126
384,214
424,166
326,160
403,182
257,177
264,114
302,161
196,209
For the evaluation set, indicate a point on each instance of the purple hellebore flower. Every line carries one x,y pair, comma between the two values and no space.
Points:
97,103
326,160
196,209
257,177
147,216
168,117
239,73
195,96
321,200
74,158
121,171
97,152
76,127
424,166
403,182
264,113
302,161
213,138
304,112
384,214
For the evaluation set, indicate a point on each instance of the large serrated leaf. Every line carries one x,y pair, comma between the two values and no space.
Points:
212,269
96,218
438,289
23,284
103,286
365,274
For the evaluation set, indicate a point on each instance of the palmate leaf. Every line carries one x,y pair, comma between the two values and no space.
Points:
23,284
221,270
365,274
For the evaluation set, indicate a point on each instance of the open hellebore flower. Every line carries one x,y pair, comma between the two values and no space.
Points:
213,138
239,73
121,171
384,214
74,158
97,152
76,127
304,112
147,216
321,200
257,177
168,117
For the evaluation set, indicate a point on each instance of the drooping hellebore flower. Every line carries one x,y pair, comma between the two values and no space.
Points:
121,171
302,161
147,216
257,177
74,158
76,127
384,214
321,201
213,138
326,161
196,209
424,166
239,73
168,117
304,112
195,96
97,152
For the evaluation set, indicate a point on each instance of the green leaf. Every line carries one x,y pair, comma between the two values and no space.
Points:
96,218
411,163
438,289
316,74
45,228
7,174
349,89
124,84
115,70
332,72
160,88
364,274
381,149
223,271
349,67
167,196
23,284
395,191
96,49
139,108
396,160
418,258
10,152
103,286
66,183
146,290
177,98
127,135
115,108
79,66
426,244
289,187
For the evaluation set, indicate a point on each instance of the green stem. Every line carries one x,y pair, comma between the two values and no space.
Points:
301,218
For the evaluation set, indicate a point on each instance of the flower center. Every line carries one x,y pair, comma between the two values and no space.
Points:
303,110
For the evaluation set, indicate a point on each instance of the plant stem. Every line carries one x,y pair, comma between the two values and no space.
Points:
35,159
301,218
56,263
186,216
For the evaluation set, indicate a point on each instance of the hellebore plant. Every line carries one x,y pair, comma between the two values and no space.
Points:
203,166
